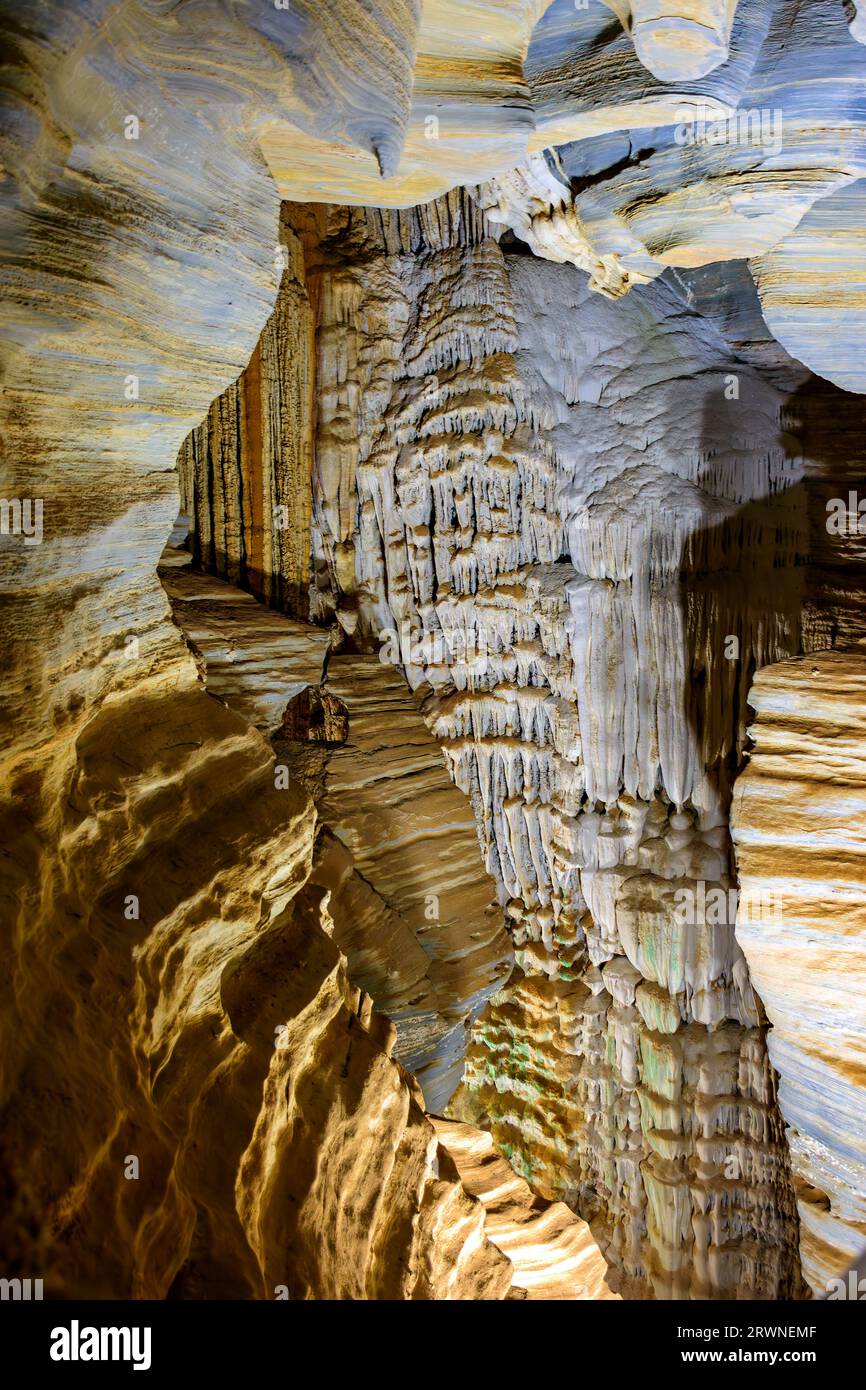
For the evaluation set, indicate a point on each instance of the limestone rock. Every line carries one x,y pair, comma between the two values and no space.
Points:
179,939
397,849
493,502
256,660
552,1251
812,282
799,835
857,24
576,528
412,841
682,44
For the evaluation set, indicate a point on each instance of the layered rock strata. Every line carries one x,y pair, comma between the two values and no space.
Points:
682,43
251,524
219,1143
150,862
797,832
798,818
422,926
431,1229
552,1251
763,158
481,505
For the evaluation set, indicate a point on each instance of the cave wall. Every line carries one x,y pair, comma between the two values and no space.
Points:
798,827
760,157
142,255
536,489
584,525
797,824
159,924
395,843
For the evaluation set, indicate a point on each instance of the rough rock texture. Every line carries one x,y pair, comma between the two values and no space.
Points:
427,936
797,817
333,96
552,1251
595,523
396,850
722,166
211,1149
394,1222
799,833
251,525
479,505
471,108
251,1136
256,660
149,860
579,530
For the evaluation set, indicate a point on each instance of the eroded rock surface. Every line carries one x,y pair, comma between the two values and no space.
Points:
552,1251
578,530
579,526
396,847
799,837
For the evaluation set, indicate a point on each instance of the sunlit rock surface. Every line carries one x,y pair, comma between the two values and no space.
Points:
552,1251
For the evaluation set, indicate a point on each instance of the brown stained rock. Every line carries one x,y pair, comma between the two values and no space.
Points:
315,716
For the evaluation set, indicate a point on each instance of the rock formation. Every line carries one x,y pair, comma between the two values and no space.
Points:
526,1228
444,533
486,739
806,961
